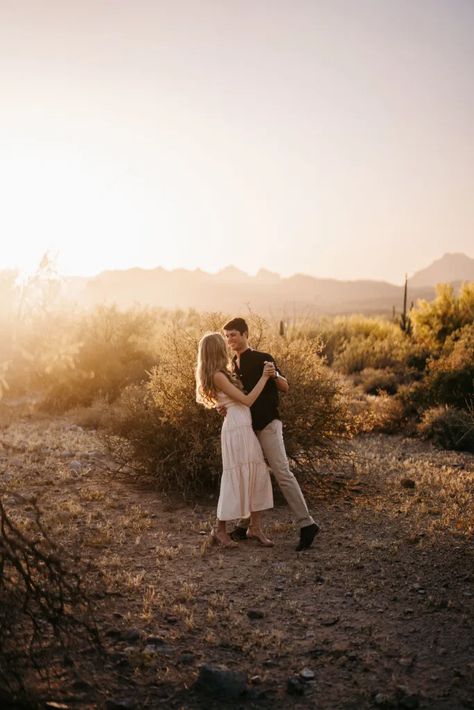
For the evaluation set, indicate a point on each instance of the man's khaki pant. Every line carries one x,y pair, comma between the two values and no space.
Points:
273,446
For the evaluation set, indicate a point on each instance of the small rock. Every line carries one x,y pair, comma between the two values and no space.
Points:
295,686
187,658
220,682
407,483
317,652
75,466
307,674
81,685
112,632
121,661
120,704
131,635
256,679
382,700
407,700
155,640
255,614
150,649
329,621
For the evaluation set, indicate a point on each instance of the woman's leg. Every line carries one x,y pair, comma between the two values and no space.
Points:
255,529
221,535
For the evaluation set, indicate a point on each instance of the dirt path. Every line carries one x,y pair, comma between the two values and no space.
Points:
379,612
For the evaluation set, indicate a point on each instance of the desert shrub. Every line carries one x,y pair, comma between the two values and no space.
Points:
434,321
315,411
337,333
385,414
450,377
449,427
167,433
414,398
375,381
361,352
109,350
44,611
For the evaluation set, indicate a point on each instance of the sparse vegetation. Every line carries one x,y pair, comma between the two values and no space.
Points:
396,519
449,427
44,609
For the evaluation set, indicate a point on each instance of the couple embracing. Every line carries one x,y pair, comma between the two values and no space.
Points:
245,391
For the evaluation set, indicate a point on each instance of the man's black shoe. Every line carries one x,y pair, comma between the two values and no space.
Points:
238,534
307,535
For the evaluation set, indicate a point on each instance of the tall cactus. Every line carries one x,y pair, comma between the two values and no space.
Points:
405,321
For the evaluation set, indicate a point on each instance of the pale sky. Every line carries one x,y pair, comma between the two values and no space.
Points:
329,137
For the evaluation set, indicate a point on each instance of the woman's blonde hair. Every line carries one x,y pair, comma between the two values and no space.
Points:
212,358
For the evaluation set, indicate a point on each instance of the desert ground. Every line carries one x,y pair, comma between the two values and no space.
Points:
378,613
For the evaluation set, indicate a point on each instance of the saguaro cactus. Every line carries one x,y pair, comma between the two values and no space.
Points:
405,322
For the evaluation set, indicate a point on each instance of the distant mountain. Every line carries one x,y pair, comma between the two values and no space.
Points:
451,268
232,290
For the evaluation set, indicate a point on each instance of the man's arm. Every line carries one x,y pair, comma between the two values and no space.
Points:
281,383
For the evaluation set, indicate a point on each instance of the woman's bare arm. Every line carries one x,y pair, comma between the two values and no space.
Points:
222,383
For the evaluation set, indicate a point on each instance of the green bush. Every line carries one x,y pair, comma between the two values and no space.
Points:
168,434
434,321
316,410
448,427
337,334
361,352
450,377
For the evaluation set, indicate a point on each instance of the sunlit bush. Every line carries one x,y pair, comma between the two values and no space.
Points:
375,381
338,333
450,378
449,427
434,321
170,435
108,351
361,352
385,414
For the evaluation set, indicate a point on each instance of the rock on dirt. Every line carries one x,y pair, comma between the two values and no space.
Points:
221,683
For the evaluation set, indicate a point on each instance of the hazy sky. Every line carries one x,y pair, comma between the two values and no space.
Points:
330,137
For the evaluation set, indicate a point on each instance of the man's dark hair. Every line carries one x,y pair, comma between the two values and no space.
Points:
236,324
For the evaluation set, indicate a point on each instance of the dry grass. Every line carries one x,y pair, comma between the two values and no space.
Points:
148,557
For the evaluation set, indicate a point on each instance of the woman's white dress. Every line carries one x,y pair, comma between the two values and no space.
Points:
245,485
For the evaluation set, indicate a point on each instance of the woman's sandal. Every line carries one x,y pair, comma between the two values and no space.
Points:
217,541
261,538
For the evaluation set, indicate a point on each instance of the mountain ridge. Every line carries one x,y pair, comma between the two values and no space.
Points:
231,289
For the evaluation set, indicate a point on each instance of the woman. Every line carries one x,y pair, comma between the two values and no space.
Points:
246,488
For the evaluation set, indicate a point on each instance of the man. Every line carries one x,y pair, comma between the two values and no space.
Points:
248,365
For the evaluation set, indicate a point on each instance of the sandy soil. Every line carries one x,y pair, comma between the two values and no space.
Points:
379,611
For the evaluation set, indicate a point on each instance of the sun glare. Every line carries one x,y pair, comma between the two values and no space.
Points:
56,199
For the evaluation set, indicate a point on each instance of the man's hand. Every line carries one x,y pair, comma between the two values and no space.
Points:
221,409
269,369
